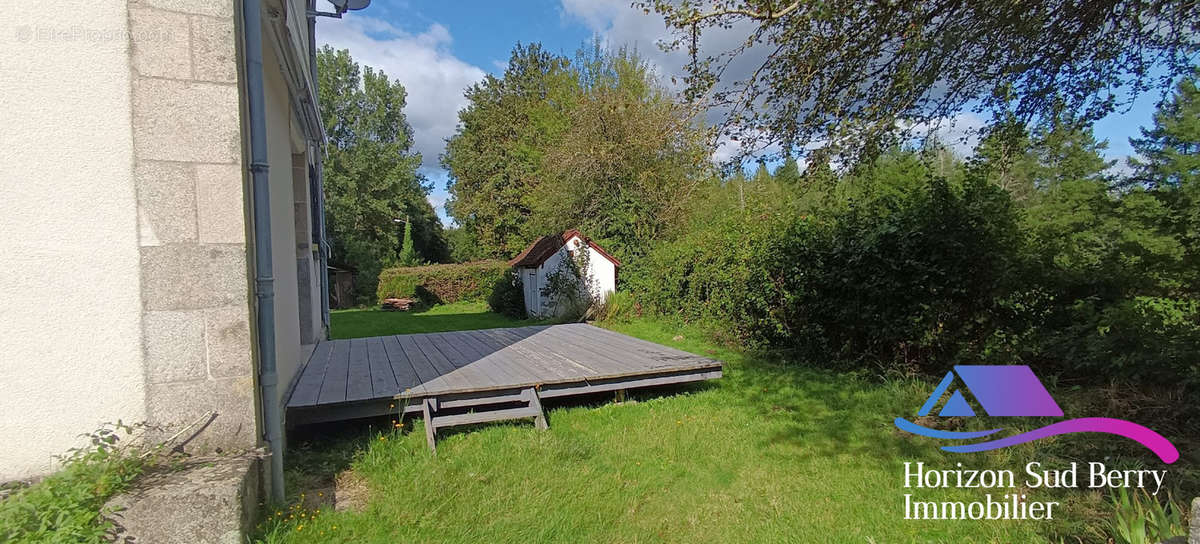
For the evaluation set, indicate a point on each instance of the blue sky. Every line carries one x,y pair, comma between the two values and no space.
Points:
438,49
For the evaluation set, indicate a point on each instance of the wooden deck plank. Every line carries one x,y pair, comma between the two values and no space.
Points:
632,353
424,368
475,348
445,367
407,378
558,354
383,379
542,362
462,353
569,351
358,382
363,376
642,346
334,387
599,356
308,387
665,357
465,372
508,358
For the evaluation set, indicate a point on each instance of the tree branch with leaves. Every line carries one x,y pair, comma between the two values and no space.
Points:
853,75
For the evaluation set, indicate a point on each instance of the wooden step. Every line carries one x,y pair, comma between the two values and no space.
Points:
486,416
433,422
472,402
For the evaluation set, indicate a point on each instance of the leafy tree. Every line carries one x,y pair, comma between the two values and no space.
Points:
1170,150
1113,269
846,72
595,144
819,172
464,247
370,173
495,157
1004,157
629,161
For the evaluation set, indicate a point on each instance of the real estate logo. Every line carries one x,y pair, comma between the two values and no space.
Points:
1014,391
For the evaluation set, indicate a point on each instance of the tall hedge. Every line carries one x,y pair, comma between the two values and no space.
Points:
442,283
908,277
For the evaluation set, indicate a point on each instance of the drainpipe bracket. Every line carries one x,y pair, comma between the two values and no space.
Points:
264,287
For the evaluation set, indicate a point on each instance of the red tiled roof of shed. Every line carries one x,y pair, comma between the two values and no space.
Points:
545,246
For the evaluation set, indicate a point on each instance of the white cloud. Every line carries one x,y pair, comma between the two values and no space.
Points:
618,23
1121,168
434,78
961,133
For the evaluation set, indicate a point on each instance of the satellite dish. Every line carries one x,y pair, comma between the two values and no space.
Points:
349,5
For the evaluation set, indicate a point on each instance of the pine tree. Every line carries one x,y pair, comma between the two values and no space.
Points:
408,254
1170,150
789,172
1068,150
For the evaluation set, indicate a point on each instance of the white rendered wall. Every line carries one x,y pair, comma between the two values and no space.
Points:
70,350
283,224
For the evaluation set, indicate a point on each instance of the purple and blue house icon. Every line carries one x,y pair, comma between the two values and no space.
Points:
1014,391
1001,390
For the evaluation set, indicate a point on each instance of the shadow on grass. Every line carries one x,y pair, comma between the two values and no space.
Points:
456,317
318,452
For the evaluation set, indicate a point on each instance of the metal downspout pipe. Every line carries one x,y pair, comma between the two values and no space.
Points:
318,161
264,282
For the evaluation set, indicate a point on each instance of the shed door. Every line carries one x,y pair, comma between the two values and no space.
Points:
531,292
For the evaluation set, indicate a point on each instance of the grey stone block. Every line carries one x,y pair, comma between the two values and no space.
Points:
166,194
212,8
208,501
303,229
222,214
186,121
174,346
188,276
160,43
213,49
1194,532
174,405
227,333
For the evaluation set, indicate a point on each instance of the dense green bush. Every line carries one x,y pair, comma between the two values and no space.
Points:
885,275
618,307
508,295
1114,280
442,283
917,265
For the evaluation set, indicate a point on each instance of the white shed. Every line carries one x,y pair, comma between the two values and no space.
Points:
546,255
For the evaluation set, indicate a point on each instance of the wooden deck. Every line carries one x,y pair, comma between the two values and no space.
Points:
415,373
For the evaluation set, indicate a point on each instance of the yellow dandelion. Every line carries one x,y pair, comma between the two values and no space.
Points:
299,528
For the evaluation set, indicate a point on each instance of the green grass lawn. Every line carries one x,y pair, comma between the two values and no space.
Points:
769,453
459,316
